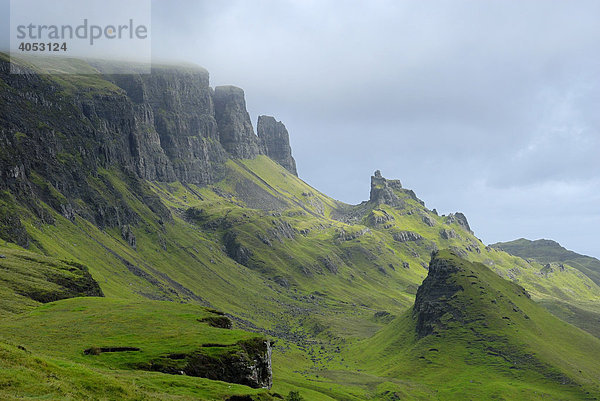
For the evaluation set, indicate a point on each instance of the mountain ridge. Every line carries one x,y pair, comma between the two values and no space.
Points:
128,177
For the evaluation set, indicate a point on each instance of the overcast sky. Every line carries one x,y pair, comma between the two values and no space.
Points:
491,108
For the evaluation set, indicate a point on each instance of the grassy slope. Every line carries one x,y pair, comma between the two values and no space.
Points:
546,251
28,279
319,310
569,305
317,288
506,349
64,329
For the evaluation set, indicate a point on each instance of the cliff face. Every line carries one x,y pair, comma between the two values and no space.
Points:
382,190
431,303
275,142
57,132
247,362
235,129
177,114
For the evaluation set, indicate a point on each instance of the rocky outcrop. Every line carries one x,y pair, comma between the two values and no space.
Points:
275,142
406,236
235,129
428,220
247,362
177,113
459,219
57,135
379,217
448,233
382,190
235,250
431,302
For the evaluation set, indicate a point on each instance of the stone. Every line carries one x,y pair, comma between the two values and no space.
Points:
428,220
382,190
128,235
448,233
431,300
329,263
378,217
459,219
275,142
248,363
235,250
406,236
236,133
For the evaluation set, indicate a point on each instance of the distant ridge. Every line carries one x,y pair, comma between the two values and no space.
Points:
547,251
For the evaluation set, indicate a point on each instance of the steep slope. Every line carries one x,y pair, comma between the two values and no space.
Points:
473,335
138,178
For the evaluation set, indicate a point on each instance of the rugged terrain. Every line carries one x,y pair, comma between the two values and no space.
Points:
154,195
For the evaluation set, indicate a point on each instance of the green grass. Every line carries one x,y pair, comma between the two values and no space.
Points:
64,329
28,279
318,278
26,376
286,287
546,251
507,346
157,328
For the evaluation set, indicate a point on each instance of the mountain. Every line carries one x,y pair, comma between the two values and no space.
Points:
472,335
548,252
153,194
556,259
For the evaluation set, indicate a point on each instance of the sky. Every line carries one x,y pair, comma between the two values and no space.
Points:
489,107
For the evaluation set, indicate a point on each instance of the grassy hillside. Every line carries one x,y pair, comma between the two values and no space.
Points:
472,335
284,267
331,284
555,259
73,353
28,279
547,251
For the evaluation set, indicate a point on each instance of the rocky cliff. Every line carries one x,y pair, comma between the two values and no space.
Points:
178,119
58,132
382,190
431,303
275,142
235,129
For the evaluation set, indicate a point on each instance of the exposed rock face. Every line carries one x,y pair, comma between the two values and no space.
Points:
235,129
378,217
382,190
428,220
235,250
460,219
128,235
250,365
165,126
177,116
432,298
252,368
275,142
406,236
448,234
